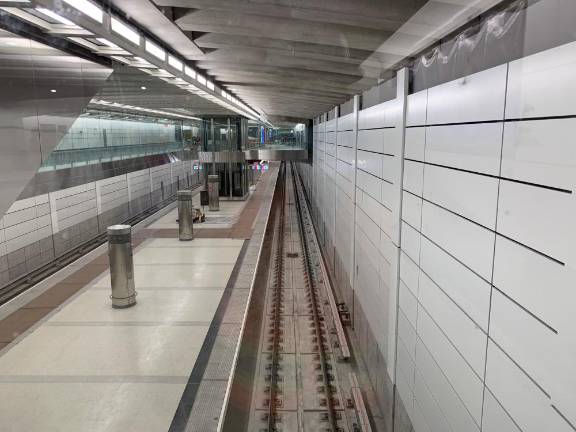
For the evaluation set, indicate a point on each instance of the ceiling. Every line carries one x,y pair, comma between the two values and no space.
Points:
131,86
294,59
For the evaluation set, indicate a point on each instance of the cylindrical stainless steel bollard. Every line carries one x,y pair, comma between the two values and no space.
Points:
185,215
121,266
213,193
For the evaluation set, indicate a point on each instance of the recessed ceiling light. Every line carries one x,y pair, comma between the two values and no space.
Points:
53,91
143,88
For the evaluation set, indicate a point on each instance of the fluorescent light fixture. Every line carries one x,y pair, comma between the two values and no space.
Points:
175,63
123,30
155,50
55,16
87,8
107,43
190,72
210,85
201,79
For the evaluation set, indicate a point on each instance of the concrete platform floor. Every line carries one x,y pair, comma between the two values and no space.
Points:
89,367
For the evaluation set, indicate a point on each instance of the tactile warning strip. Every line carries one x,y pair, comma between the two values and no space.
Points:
222,356
210,399
206,410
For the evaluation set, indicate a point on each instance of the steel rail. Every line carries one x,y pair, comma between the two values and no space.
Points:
340,333
277,297
316,305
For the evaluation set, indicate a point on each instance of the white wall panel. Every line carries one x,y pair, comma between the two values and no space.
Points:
463,333
524,211
456,148
370,162
471,147
408,303
346,123
526,403
409,272
407,333
346,154
330,138
410,242
371,118
412,209
414,145
416,106
472,196
542,85
369,184
454,380
540,152
390,169
345,185
347,139
474,98
331,149
413,177
535,282
371,140
495,418
531,344
345,170
465,288
448,231
433,416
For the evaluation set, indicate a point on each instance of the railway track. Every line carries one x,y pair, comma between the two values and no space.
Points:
304,380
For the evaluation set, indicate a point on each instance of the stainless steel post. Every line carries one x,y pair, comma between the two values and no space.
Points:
229,139
213,146
185,216
213,197
121,266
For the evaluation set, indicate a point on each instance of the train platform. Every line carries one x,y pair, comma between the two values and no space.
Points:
70,362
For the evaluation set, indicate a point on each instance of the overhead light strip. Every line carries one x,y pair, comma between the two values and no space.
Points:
121,53
88,9
137,108
155,50
125,31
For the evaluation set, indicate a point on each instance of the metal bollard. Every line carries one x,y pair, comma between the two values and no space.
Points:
213,193
185,216
121,266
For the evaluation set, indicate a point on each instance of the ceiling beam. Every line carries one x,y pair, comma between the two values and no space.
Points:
292,30
388,15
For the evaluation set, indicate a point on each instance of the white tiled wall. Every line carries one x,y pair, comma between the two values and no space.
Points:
36,230
484,276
